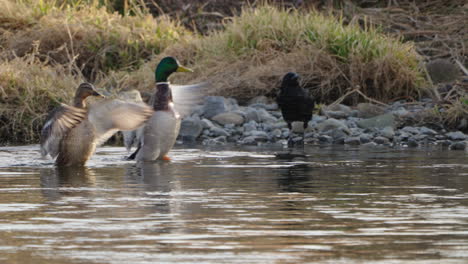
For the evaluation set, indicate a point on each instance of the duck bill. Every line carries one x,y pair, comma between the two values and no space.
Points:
95,93
183,69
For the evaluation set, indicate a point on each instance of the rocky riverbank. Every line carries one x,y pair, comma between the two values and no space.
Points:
222,120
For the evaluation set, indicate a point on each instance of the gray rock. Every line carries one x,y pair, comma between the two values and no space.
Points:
401,112
265,117
339,108
325,139
367,110
276,114
381,121
410,130
459,145
214,105
332,124
352,141
458,135
382,140
228,118
427,131
259,135
190,128
365,138
249,126
259,100
215,141
250,140
207,123
251,114
276,133
412,142
387,132
217,131
370,145
337,114
298,127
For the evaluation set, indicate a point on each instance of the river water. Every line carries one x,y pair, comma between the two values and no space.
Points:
237,205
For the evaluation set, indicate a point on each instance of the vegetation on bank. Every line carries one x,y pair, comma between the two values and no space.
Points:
48,47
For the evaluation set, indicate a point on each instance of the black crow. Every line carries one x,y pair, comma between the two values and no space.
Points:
294,102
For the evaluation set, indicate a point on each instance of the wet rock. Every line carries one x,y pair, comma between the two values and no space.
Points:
190,128
217,131
412,142
265,117
207,124
324,139
332,124
214,105
228,118
381,121
250,140
249,126
352,141
458,135
370,145
400,112
427,131
365,138
367,110
459,145
387,132
276,133
251,114
382,140
298,127
259,100
338,135
215,141
258,135
340,108
410,130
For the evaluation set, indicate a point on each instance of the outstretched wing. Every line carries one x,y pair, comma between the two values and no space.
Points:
113,115
58,123
186,97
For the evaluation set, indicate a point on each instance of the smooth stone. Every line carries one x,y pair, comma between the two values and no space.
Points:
381,121
215,141
249,126
214,105
190,128
460,145
352,141
412,142
427,131
217,131
251,114
207,123
365,138
259,135
297,127
370,145
381,140
265,116
410,130
332,124
276,133
458,135
387,132
400,112
368,110
261,99
228,118
339,108
325,139
337,114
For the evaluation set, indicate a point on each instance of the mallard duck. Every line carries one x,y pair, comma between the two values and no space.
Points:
162,129
71,133
294,101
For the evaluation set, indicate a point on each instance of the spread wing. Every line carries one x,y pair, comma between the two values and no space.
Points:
58,123
186,97
110,116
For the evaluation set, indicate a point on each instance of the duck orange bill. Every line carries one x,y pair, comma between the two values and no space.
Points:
183,69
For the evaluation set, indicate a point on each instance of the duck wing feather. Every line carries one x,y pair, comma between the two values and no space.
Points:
57,124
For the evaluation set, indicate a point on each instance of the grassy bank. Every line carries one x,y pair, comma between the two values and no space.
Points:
48,47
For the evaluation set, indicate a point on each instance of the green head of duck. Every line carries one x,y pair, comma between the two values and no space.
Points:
166,67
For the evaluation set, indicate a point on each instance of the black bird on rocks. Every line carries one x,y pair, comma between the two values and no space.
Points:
294,102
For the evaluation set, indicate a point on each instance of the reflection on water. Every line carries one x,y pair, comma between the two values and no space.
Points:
320,205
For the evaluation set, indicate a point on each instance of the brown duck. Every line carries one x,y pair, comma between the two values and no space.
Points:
72,133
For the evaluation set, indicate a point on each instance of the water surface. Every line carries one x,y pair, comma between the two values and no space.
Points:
237,205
